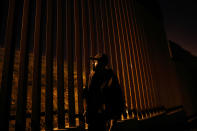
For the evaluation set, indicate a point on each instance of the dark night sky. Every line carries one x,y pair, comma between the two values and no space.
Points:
180,21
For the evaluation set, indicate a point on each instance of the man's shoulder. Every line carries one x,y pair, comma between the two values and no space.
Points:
111,75
110,71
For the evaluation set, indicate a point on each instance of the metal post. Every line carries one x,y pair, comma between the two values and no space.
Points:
105,35
79,57
142,57
125,54
86,38
7,74
23,71
93,42
117,53
131,54
60,67
49,66
36,91
133,39
70,59
140,44
98,28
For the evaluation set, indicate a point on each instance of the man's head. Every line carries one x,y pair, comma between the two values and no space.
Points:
99,61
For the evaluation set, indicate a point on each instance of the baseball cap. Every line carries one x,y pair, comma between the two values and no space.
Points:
101,58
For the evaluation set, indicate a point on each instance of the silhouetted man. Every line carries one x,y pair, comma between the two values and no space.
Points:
103,95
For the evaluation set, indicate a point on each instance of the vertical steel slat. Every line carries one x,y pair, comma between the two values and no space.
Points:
3,17
49,67
98,26
149,72
125,38
123,60
153,80
23,71
149,66
131,55
7,73
105,35
78,51
135,56
133,66
117,50
109,37
157,65
146,66
155,77
103,29
70,59
136,26
36,87
112,41
142,57
86,38
128,41
93,42
60,67
124,53
86,43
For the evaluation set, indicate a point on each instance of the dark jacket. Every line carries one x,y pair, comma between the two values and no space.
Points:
104,96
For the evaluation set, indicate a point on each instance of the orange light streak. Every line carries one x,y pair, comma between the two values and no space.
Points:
126,101
132,64
121,33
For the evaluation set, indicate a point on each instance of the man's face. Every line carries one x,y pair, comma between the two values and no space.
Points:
94,64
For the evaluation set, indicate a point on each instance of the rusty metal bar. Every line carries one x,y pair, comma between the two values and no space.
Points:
140,60
98,26
79,57
103,29
49,67
105,36
6,82
3,17
70,59
152,72
149,73
108,38
142,57
155,77
117,51
86,37
124,53
93,37
86,43
60,67
23,71
147,70
136,26
131,56
116,65
36,91
134,56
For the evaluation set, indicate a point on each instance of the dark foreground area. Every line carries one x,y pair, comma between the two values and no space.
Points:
172,119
